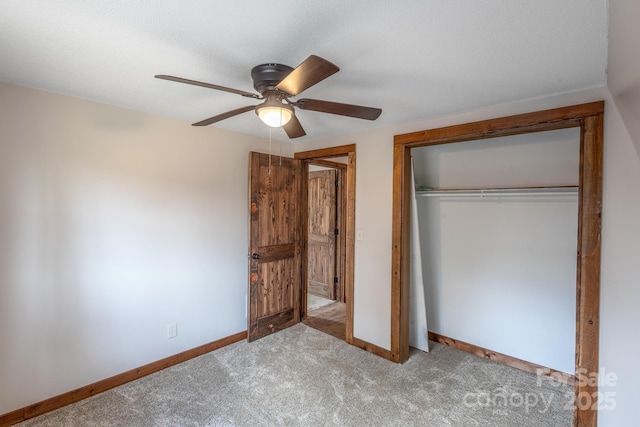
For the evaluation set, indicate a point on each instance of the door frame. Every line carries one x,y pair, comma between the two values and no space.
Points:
590,119
349,199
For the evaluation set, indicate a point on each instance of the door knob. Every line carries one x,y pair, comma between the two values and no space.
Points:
255,256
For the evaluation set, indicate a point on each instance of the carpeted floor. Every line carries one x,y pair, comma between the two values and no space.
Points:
303,377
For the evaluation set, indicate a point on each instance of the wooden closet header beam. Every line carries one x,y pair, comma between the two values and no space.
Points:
557,118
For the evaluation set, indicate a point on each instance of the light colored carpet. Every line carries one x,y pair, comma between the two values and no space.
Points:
315,302
303,377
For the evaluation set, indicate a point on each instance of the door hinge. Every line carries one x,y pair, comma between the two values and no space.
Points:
336,279
336,182
336,231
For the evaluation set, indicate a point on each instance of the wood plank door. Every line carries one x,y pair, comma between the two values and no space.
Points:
322,234
274,245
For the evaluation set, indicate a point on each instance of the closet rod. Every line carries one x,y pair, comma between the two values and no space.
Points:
501,192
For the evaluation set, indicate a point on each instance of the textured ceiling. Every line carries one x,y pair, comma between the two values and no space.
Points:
414,59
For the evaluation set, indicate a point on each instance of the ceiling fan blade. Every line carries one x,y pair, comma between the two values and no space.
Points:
226,115
294,128
348,110
207,85
313,70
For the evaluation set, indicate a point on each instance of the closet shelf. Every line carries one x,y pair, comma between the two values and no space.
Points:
500,192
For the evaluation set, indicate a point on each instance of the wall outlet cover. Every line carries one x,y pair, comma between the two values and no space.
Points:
172,330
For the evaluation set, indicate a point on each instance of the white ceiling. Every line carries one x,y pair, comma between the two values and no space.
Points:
414,59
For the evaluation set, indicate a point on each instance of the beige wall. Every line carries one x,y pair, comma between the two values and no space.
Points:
113,224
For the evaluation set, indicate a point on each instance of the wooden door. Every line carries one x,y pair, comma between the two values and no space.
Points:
274,245
322,234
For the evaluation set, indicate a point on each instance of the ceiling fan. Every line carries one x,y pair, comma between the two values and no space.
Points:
276,84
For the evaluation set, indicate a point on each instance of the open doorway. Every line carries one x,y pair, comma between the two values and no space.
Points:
326,308
336,317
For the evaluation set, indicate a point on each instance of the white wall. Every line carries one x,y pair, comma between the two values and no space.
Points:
529,160
113,223
500,272
621,236
619,313
620,317
316,168
623,73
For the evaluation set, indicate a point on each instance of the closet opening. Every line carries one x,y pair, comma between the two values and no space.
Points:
497,224
588,119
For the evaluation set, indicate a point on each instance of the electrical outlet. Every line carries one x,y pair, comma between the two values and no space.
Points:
172,330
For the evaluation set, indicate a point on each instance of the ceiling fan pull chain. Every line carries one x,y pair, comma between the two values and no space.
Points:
280,167
269,152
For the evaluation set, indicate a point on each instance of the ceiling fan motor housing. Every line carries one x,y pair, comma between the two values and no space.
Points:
267,76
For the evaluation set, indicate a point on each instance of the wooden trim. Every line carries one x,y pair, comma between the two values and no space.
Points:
400,255
302,183
329,164
304,239
371,348
556,118
81,393
323,153
589,118
350,223
341,242
514,362
588,268
14,417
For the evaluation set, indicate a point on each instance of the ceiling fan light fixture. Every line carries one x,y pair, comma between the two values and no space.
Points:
274,113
